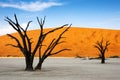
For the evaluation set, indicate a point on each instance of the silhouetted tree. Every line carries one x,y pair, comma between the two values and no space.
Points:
102,47
26,45
49,50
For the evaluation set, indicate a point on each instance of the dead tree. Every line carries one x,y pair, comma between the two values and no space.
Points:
49,50
102,49
26,45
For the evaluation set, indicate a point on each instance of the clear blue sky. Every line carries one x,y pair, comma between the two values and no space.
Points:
81,13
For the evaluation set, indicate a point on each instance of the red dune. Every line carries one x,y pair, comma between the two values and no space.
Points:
81,41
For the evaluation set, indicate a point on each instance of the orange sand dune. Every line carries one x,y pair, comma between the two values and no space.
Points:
79,40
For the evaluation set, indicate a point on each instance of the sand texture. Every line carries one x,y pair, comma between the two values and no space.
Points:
79,40
61,69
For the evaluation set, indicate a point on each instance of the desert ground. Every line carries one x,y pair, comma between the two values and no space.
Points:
61,69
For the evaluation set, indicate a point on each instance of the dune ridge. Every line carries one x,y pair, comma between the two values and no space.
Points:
79,40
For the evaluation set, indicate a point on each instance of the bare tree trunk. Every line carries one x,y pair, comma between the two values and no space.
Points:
29,63
39,65
103,59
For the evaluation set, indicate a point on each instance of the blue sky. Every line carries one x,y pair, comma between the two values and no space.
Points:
81,13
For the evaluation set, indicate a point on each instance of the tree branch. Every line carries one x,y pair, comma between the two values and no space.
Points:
28,25
59,51
19,45
12,45
56,43
55,29
11,23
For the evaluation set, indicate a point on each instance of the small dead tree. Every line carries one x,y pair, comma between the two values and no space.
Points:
26,45
102,47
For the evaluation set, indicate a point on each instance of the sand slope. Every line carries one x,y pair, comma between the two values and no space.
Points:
79,40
